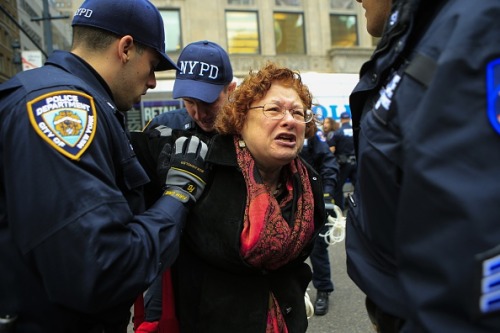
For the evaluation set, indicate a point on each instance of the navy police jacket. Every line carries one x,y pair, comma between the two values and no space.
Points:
343,141
75,249
175,119
180,120
317,153
423,226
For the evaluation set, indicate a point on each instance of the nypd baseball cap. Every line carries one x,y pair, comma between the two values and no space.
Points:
204,70
345,115
137,18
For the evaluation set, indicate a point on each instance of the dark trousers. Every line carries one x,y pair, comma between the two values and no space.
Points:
346,171
320,262
383,322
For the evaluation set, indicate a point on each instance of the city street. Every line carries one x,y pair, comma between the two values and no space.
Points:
347,310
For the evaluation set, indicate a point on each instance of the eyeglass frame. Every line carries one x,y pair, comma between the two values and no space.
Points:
283,112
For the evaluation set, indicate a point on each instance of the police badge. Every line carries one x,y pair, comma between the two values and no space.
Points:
65,119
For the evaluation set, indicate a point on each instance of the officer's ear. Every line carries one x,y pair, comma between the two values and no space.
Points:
231,87
125,45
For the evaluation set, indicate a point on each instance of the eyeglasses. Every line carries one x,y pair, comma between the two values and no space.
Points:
273,111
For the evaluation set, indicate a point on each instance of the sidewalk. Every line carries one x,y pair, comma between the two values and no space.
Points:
347,312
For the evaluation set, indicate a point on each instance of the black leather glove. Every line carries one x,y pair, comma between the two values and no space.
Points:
187,175
157,131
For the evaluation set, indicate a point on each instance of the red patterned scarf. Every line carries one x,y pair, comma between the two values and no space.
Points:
268,241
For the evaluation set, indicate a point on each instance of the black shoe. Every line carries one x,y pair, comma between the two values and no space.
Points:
321,304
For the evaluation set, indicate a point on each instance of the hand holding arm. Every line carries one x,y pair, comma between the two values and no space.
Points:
187,175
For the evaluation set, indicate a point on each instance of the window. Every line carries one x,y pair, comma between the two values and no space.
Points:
294,3
172,22
241,2
289,33
3,68
242,32
342,4
344,31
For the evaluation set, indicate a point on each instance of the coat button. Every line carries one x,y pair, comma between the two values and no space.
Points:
399,46
288,309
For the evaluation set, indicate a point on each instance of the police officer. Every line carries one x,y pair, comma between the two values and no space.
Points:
203,93
76,246
316,152
342,145
422,233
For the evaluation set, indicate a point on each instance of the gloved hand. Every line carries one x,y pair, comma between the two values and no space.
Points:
157,131
187,175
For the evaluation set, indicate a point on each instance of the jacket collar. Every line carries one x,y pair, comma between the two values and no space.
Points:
222,150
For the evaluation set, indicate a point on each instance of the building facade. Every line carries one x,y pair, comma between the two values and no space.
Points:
317,36
29,31
327,37
311,35
10,60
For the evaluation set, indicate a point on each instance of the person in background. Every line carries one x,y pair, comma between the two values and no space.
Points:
317,153
76,246
204,81
242,264
329,127
343,147
422,233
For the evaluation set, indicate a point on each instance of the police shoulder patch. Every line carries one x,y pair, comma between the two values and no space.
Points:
489,286
493,93
65,119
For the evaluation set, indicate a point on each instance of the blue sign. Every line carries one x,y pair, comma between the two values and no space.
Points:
331,111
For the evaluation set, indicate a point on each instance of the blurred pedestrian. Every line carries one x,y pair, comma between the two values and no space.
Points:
317,153
330,125
342,145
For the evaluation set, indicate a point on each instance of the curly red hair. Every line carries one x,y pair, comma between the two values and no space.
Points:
232,116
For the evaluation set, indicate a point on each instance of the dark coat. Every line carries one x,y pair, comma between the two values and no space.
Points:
424,221
317,153
216,290
74,250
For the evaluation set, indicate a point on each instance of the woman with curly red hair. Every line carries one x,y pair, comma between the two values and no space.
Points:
241,266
